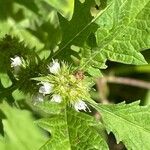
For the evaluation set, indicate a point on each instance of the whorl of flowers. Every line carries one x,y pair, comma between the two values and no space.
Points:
62,85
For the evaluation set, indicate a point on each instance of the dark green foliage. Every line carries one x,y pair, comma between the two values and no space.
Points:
87,35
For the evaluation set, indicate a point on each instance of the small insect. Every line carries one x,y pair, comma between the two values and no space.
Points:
79,75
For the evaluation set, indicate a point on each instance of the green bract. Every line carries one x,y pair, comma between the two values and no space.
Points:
67,83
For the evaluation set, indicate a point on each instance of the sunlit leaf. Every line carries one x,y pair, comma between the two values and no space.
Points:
19,130
130,123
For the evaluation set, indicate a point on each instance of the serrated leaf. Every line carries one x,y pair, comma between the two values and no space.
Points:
124,30
18,127
49,108
73,31
71,130
130,123
95,72
64,7
88,61
122,33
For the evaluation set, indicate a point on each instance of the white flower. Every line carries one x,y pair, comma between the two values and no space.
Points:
46,88
38,98
15,62
81,105
54,67
56,98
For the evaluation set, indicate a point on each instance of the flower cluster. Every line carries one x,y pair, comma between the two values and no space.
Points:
63,86
16,63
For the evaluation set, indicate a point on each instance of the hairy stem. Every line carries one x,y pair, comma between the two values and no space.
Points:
103,87
128,81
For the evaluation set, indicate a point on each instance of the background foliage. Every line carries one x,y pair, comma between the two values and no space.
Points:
111,35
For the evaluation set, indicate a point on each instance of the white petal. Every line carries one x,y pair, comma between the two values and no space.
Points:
38,98
46,88
15,62
54,67
56,98
80,105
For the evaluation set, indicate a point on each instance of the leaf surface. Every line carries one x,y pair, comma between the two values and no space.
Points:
19,130
72,130
124,31
130,123
64,7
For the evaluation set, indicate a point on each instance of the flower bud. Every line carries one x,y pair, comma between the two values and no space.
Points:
56,98
46,88
15,62
54,67
80,105
38,98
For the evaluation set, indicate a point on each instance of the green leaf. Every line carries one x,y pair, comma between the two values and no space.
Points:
121,32
130,123
76,31
6,92
147,98
35,24
49,108
5,80
16,20
72,130
64,7
88,61
19,130
124,32
95,72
